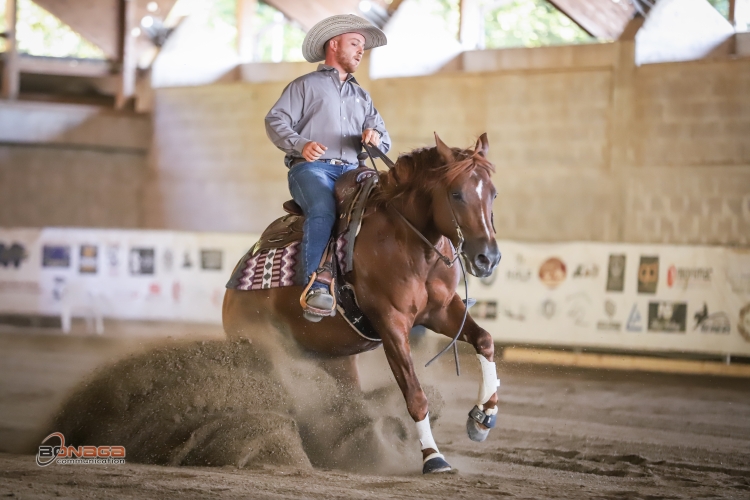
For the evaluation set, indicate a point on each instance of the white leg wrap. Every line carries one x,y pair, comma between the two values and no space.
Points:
490,382
425,434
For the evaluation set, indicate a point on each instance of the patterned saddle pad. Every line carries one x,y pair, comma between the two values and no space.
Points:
276,260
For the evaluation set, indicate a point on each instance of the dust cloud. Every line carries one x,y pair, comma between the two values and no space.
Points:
243,404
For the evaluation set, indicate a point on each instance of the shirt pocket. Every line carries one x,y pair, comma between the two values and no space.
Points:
355,108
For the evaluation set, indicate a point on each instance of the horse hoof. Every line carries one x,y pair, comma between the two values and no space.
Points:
311,317
435,464
475,432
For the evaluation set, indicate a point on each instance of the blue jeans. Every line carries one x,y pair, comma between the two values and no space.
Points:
311,185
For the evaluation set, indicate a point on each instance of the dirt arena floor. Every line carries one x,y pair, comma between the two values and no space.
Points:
562,433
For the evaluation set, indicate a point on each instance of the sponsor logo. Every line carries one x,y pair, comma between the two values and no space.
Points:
552,272
743,325
168,260
55,256
610,308
519,314
88,262
142,261
711,323
49,454
634,323
12,255
154,289
578,307
549,308
519,272
176,291
59,284
616,273
586,271
112,254
648,274
684,277
211,260
667,317
187,262
484,309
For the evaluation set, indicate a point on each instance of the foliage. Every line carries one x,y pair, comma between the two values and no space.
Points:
39,33
266,17
530,23
722,6
221,18
447,10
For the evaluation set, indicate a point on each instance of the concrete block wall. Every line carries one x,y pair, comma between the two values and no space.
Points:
587,147
71,165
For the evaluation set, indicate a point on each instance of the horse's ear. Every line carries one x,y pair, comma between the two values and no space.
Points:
483,145
444,151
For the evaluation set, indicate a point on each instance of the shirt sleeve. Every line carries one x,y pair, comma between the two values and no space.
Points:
282,118
373,120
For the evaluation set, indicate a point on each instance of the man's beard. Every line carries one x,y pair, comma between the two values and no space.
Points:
347,64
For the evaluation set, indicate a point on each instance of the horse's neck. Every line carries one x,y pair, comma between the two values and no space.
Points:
418,212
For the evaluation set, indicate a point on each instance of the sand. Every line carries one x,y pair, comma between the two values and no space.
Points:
216,419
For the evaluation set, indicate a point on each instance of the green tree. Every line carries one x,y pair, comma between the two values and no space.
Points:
530,23
39,33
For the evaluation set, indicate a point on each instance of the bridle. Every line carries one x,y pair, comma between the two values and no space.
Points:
373,152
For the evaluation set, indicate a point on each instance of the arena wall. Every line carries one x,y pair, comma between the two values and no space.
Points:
71,165
588,147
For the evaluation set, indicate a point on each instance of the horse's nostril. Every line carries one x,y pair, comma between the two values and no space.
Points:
482,261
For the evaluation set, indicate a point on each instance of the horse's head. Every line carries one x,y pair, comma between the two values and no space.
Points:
462,204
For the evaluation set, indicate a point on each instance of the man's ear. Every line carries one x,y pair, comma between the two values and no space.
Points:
333,43
444,151
483,145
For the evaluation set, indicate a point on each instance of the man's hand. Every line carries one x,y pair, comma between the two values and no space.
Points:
371,136
313,150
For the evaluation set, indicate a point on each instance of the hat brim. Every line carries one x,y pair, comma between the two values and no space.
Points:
313,48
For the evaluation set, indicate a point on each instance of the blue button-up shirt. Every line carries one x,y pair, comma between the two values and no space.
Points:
317,107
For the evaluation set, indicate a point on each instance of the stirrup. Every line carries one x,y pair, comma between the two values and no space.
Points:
315,311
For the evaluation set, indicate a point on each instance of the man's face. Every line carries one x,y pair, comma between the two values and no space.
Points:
348,50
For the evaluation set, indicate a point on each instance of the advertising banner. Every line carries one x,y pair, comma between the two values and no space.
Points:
617,296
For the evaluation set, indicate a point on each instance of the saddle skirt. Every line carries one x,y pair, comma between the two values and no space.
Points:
276,259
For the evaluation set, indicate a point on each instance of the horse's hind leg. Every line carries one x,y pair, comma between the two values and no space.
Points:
344,370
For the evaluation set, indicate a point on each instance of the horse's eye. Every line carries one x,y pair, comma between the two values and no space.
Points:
457,196
494,197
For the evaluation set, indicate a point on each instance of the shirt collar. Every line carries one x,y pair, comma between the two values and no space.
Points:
325,67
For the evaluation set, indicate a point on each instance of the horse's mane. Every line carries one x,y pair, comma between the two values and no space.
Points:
421,170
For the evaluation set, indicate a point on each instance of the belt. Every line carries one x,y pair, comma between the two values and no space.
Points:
334,161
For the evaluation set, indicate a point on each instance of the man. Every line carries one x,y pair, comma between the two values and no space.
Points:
320,122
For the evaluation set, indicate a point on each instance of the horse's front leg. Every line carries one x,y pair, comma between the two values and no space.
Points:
394,329
447,321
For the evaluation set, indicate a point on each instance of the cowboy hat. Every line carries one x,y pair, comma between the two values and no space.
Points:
313,48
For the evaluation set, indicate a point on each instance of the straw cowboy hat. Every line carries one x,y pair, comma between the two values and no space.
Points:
313,48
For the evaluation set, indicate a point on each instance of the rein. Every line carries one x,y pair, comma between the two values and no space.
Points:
372,152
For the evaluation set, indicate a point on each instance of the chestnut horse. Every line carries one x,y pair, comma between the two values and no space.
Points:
439,195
